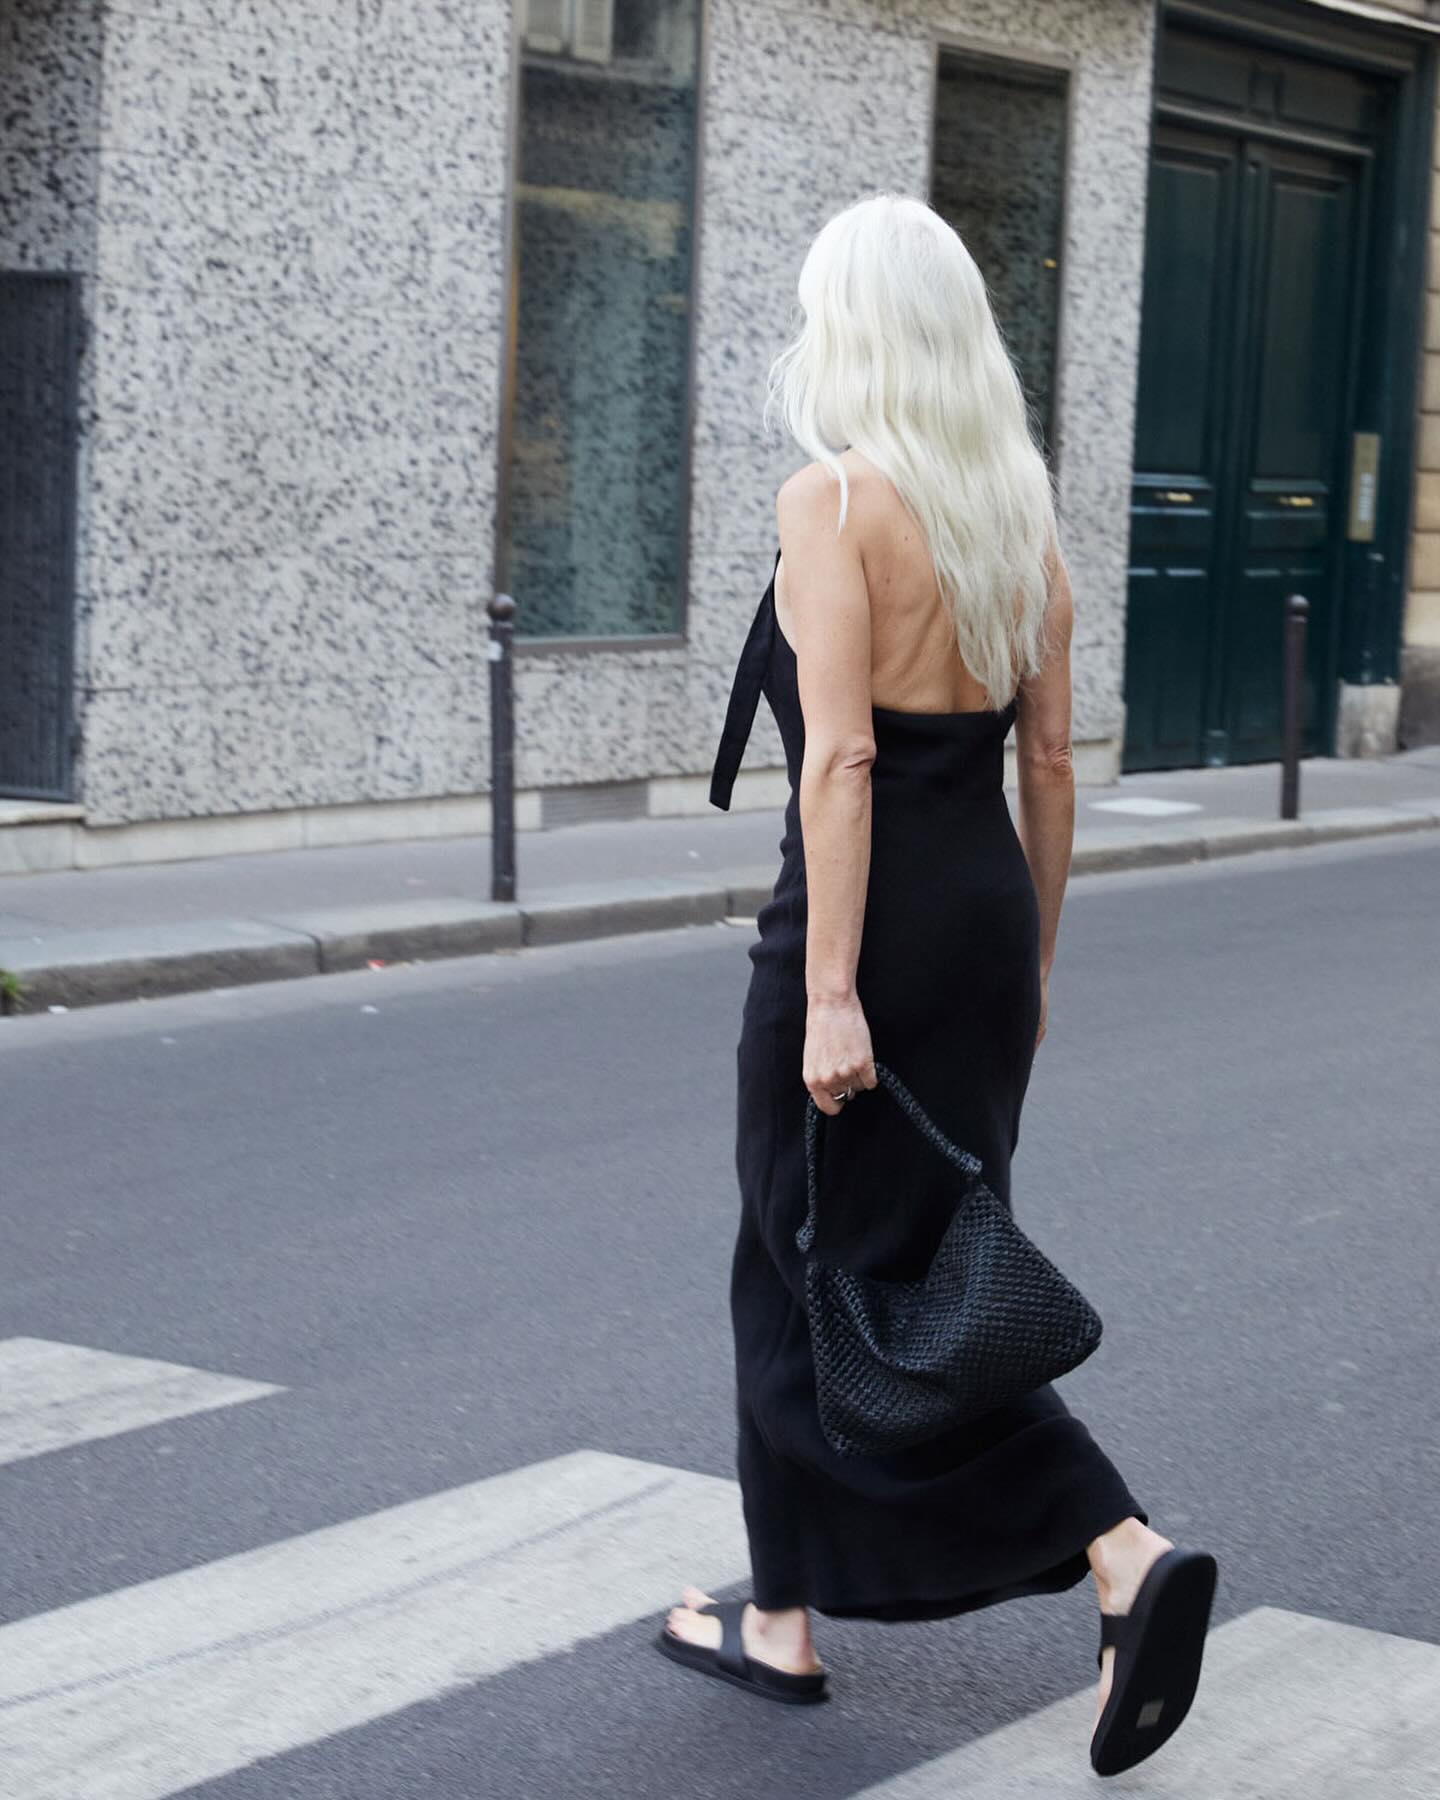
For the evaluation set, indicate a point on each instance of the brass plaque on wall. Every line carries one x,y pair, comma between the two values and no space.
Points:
1364,486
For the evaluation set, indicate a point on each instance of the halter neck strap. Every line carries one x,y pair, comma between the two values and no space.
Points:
744,696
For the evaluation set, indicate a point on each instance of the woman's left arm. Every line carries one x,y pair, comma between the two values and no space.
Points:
829,627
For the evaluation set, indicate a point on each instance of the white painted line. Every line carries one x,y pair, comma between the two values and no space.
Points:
1147,806
54,1395
155,1688
1289,1708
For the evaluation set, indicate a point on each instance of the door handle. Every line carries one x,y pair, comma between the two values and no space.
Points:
1294,499
1176,498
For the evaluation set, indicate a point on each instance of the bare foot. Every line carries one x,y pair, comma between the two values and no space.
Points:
1120,1561
780,1639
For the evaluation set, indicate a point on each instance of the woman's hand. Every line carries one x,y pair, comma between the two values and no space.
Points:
837,1051
1044,1005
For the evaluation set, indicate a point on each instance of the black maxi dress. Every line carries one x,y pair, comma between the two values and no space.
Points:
948,976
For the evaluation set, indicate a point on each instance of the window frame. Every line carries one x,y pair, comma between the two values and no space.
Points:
589,643
1056,62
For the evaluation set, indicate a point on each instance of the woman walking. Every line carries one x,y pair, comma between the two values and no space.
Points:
918,607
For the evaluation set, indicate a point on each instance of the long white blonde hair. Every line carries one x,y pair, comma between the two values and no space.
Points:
898,355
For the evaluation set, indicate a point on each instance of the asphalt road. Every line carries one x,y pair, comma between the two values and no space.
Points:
475,1215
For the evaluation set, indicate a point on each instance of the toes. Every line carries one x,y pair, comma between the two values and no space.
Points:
687,1623
693,1627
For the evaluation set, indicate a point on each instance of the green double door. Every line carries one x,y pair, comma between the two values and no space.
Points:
1251,300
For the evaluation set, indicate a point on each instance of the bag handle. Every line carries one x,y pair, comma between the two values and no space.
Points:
911,1107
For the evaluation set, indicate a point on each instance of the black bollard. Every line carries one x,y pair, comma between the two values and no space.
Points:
502,748
1297,610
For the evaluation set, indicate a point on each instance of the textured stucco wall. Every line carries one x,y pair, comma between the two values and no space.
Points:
50,62
297,316
297,331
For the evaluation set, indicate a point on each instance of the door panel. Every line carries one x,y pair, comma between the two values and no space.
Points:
1243,415
1295,395
1303,321
1184,351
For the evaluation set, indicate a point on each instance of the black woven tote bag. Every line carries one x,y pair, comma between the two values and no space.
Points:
897,1362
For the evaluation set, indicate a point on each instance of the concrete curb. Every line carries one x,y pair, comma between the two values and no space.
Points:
88,968
1127,849
349,937
142,962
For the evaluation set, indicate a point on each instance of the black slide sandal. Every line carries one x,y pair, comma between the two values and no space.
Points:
1158,1647
730,1663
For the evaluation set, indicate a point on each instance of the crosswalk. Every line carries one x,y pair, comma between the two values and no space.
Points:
1290,1708
53,1395
274,1648
151,1689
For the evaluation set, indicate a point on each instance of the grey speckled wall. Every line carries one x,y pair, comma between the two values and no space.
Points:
291,391
50,59
297,328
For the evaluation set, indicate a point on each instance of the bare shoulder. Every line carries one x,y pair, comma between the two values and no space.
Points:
816,554
808,495
808,500
809,517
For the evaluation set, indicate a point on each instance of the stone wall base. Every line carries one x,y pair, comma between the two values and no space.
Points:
35,839
1419,721
1365,718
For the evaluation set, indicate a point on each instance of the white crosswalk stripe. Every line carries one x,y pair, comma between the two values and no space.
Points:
53,1395
152,1689
139,1693
1289,1708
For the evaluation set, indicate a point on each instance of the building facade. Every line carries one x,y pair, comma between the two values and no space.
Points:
1280,385
320,324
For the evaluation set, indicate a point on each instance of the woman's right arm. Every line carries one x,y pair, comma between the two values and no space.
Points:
1046,772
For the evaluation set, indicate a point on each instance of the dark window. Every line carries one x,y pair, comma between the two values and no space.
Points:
596,494
999,179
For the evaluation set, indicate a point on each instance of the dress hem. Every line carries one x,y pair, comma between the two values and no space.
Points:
1057,1578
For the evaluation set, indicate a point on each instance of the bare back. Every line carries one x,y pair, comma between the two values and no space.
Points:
914,663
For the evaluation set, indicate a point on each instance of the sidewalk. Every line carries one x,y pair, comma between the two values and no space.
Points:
80,937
